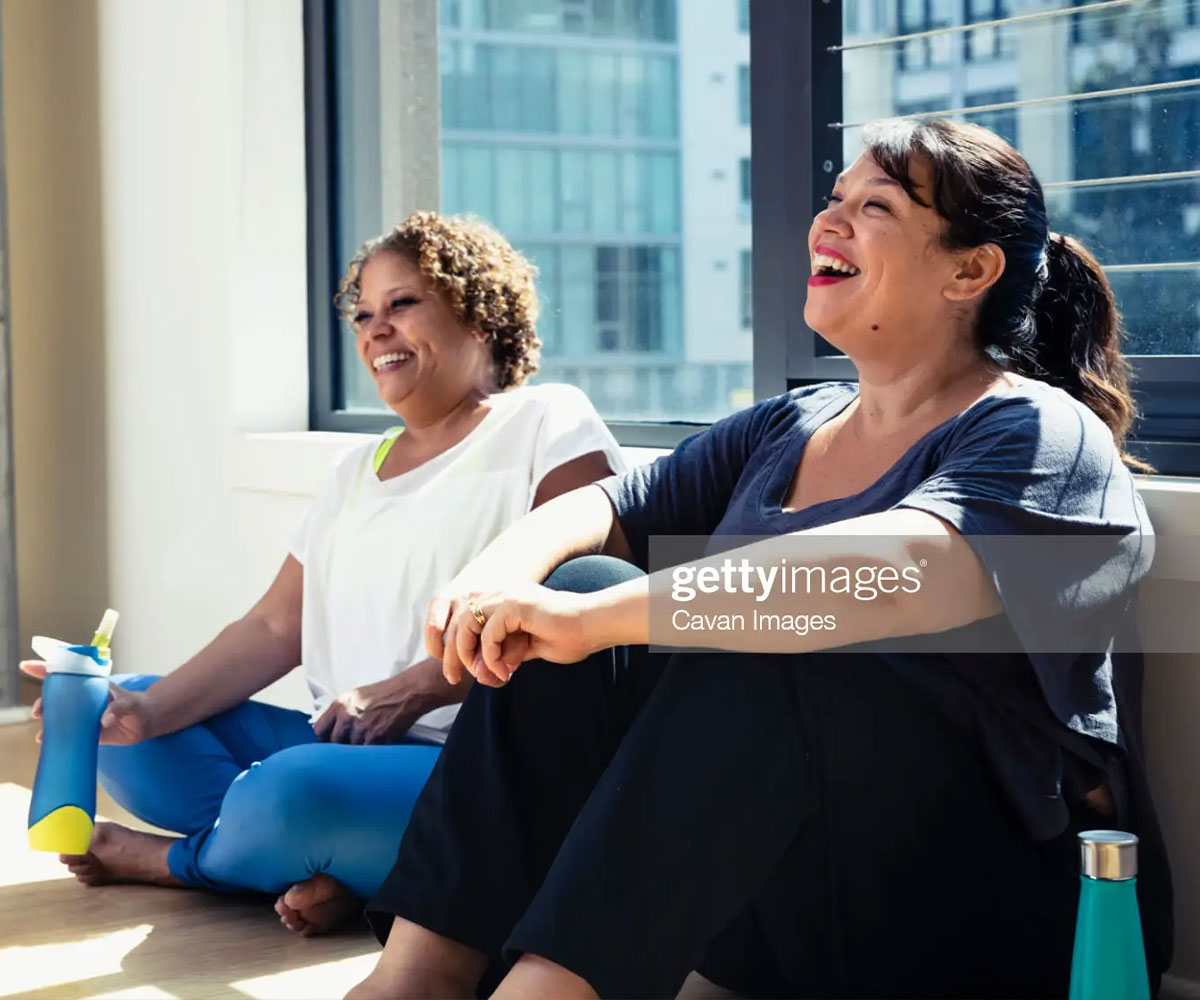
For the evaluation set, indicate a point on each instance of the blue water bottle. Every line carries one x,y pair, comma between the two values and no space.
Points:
1110,956
74,696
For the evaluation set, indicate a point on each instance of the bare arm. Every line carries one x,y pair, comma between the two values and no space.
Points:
246,656
956,594
564,628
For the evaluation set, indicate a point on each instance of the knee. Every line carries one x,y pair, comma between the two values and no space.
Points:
587,574
281,798
134,682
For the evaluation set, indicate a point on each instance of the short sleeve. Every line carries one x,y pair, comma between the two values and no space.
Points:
1046,468
687,492
569,428
328,500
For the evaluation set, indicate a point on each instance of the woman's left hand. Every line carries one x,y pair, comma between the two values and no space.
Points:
374,713
524,622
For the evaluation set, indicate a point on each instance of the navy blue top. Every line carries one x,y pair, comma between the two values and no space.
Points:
1031,461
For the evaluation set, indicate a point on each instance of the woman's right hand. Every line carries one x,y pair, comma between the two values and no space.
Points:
127,718
523,622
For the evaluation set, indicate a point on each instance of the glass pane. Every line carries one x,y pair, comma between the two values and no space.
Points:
604,192
563,124
573,193
602,109
1118,161
572,86
540,186
545,258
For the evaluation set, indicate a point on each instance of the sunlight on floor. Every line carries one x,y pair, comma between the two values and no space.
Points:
327,979
21,864
45,965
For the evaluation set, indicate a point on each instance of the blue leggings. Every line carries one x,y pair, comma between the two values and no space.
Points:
263,804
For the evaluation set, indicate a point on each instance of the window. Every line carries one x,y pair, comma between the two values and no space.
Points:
558,121
568,124
988,41
1117,163
916,17
743,15
744,189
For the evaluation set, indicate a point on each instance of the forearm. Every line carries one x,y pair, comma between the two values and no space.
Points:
943,588
426,689
245,657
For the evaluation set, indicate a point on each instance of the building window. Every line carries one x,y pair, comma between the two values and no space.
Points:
747,290
744,186
1002,121
743,95
632,285
989,41
915,17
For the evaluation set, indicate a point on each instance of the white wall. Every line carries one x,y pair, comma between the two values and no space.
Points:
202,160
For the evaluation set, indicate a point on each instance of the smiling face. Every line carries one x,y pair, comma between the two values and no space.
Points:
413,345
881,278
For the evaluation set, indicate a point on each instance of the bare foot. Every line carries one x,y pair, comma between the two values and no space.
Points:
119,854
316,906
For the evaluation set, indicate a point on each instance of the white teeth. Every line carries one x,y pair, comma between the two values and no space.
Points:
387,359
822,261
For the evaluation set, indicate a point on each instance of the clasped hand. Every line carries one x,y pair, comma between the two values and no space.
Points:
525,621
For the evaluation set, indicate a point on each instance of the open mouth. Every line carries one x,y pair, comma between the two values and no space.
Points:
828,269
390,362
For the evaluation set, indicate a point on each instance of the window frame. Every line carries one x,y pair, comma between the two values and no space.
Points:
795,155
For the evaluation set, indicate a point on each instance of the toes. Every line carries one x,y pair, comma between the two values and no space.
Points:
299,895
290,919
312,892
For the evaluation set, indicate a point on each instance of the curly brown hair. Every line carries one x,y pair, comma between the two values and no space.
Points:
486,283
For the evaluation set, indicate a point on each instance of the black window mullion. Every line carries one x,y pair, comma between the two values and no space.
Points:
325,381
795,92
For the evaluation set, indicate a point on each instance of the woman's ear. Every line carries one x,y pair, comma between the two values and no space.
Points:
977,270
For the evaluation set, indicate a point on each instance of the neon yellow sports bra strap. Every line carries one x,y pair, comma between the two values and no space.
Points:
389,439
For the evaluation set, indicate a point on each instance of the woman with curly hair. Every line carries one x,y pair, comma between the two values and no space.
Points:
443,311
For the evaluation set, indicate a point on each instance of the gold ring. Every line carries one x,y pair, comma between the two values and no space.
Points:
479,615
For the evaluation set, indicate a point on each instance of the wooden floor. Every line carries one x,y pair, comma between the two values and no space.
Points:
59,939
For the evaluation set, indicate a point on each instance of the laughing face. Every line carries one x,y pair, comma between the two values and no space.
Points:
880,273
411,342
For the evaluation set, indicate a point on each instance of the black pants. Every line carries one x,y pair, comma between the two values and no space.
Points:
790,826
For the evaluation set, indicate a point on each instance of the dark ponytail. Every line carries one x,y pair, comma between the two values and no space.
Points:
1077,341
1051,315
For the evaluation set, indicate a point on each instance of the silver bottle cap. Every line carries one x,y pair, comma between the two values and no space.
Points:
1108,854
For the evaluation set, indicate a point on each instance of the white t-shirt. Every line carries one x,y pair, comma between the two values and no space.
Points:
375,552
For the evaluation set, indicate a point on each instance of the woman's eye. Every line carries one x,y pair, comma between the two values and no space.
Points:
831,198
407,300
361,318
878,204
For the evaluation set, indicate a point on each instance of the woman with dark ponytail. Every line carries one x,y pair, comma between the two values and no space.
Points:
884,804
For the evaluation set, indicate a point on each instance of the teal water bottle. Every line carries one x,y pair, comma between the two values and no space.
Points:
1109,962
